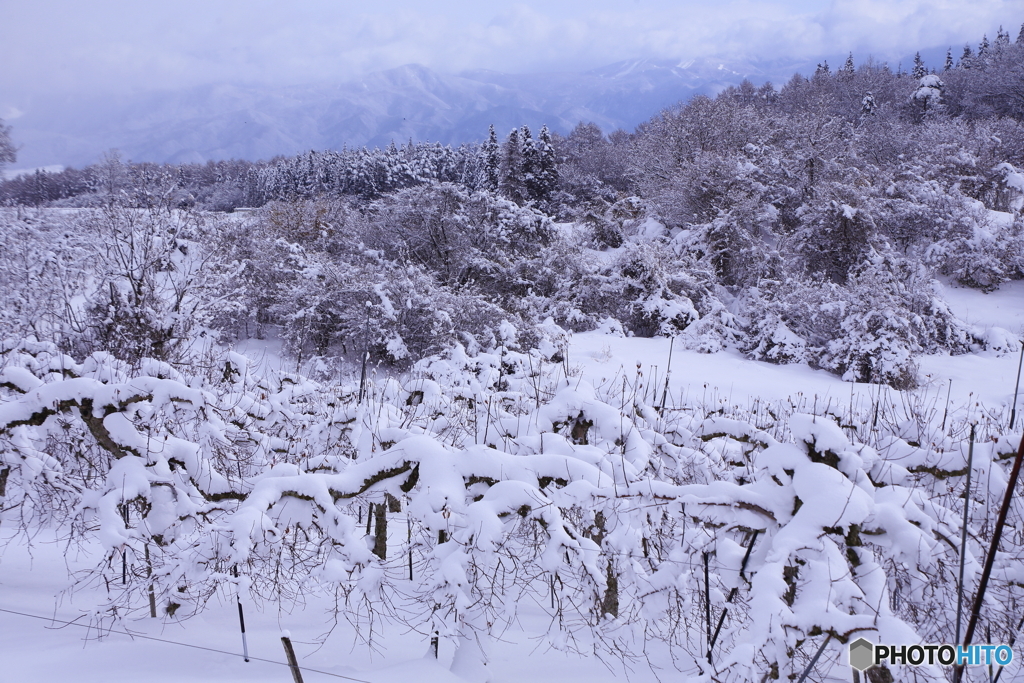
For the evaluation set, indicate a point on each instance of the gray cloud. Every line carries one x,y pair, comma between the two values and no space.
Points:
117,45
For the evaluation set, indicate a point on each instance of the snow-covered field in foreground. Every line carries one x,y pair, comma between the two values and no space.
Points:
39,650
32,580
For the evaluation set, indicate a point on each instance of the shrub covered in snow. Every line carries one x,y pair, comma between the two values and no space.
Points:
518,483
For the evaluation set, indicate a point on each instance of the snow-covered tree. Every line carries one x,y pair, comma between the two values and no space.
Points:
543,178
848,67
919,70
491,161
928,95
7,151
512,182
967,58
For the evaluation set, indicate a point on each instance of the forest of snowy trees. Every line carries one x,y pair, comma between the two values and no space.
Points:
427,293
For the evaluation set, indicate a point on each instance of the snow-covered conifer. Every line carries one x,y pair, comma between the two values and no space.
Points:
512,181
919,70
491,161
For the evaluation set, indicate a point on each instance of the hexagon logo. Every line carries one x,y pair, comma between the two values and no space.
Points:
862,654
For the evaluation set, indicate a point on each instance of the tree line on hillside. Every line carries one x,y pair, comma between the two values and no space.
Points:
805,223
522,169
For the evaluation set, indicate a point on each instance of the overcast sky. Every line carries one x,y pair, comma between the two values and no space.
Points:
104,45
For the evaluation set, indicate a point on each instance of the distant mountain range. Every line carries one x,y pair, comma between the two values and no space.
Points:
408,102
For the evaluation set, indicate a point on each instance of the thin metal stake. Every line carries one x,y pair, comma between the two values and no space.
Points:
707,604
814,661
945,412
241,616
408,523
1016,387
366,353
124,549
735,589
963,538
149,575
362,376
668,372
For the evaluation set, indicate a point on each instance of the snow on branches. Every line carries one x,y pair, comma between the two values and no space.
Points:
517,484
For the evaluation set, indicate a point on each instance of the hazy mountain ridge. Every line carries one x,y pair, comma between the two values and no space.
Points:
408,102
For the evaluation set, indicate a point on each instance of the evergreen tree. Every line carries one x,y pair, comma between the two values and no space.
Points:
545,174
848,67
919,71
983,49
822,69
492,160
511,183
1002,38
967,58
1020,36
949,60
7,152
529,155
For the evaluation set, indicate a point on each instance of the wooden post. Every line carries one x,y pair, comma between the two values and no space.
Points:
293,664
380,539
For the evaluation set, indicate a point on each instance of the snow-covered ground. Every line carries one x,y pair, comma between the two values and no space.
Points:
44,650
986,378
32,580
